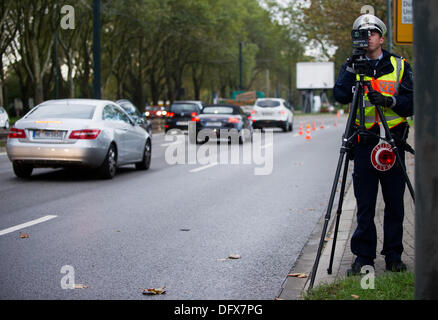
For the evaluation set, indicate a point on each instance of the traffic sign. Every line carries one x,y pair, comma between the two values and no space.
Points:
403,13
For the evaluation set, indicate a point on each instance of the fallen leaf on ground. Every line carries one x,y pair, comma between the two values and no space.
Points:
80,286
355,296
293,274
297,275
234,256
154,291
24,235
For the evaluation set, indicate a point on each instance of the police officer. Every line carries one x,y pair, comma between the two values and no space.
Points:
391,80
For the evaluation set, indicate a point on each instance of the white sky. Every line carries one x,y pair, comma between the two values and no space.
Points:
310,50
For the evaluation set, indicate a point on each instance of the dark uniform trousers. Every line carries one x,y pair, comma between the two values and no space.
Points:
365,182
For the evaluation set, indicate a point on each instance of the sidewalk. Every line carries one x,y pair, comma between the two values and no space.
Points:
293,287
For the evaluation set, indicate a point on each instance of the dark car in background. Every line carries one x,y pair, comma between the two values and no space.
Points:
220,119
181,113
135,114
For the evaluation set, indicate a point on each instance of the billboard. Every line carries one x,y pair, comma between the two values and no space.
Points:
315,75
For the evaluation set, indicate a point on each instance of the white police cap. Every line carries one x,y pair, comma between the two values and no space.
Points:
369,22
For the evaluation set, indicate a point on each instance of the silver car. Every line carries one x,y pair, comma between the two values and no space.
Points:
77,132
4,119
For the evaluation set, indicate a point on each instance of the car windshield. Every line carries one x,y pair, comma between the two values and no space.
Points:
183,107
63,111
268,103
218,110
130,109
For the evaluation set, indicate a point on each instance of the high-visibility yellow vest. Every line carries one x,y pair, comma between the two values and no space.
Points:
388,85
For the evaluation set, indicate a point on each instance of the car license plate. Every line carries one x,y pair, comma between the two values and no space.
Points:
267,113
48,134
213,124
182,123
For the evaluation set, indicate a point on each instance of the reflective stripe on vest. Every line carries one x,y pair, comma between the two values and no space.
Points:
388,85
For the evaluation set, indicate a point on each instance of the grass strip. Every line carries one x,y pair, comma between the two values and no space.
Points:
387,286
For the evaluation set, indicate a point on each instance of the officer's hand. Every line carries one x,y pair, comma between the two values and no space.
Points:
379,99
362,67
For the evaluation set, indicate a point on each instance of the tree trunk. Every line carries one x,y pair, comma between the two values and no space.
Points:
86,75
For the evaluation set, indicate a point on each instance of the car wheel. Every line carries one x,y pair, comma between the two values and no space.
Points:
22,170
145,163
285,126
109,166
242,137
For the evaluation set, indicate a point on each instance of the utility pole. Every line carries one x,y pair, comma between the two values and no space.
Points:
389,24
426,145
96,50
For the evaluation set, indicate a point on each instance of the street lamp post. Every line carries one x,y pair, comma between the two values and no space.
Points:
96,49
240,67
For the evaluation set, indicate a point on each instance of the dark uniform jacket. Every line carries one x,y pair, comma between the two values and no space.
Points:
404,106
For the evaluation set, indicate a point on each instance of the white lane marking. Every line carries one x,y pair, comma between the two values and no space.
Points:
170,143
27,224
204,167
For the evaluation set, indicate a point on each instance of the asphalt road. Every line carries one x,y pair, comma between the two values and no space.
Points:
173,225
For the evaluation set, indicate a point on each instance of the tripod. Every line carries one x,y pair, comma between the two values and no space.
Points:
350,134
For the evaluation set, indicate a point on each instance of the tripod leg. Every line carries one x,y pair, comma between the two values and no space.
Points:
327,218
395,149
349,128
338,213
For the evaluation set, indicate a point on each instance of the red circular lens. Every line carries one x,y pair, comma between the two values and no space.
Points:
386,157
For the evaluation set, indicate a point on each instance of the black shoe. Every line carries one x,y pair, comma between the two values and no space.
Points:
396,266
356,267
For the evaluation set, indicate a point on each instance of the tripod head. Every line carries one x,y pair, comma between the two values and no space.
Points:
359,61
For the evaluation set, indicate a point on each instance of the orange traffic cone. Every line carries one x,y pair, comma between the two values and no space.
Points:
301,129
314,125
308,136
322,124
338,114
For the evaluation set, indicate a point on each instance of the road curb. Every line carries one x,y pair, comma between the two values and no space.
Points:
293,288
